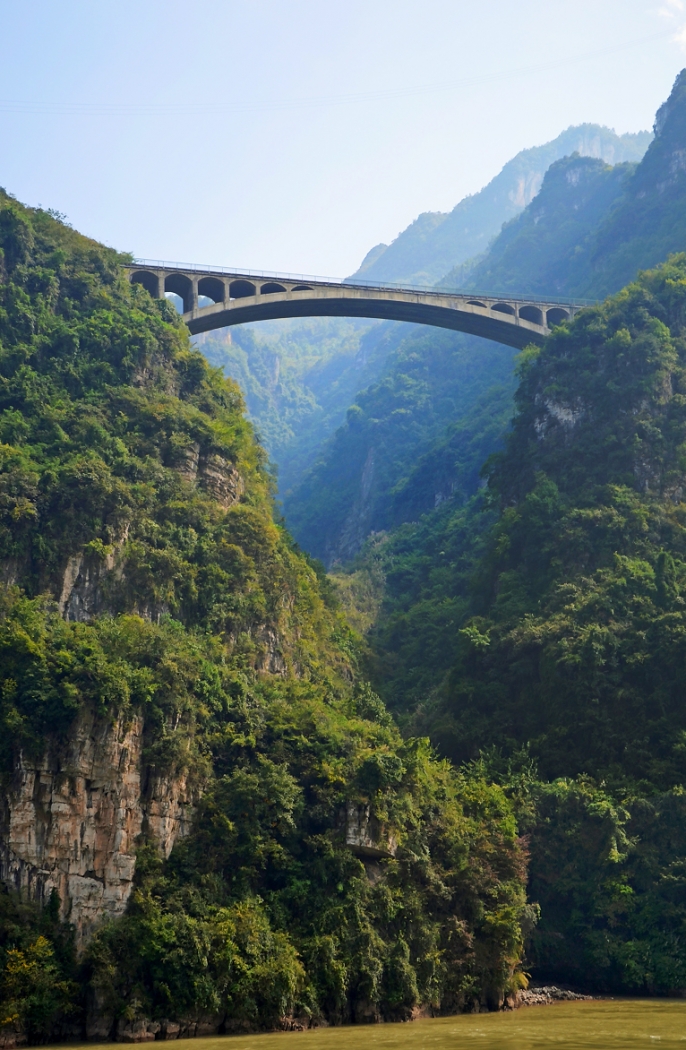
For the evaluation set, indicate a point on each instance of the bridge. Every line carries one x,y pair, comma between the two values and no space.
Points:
216,298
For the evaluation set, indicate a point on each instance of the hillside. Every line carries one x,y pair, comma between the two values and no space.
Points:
538,631
208,817
572,649
558,245
593,227
436,242
395,456
535,630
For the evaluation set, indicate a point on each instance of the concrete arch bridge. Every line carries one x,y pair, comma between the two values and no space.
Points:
216,298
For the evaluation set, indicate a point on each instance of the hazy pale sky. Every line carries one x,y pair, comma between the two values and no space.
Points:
294,135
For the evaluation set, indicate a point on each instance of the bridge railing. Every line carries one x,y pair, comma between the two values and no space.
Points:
358,282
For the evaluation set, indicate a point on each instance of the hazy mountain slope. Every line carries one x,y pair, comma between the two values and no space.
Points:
592,228
651,221
299,378
366,478
547,250
436,242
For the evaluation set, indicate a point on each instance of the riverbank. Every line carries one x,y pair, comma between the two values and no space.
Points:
608,1024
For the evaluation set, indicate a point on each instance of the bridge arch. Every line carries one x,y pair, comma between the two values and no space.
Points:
241,289
234,297
212,288
149,280
556,315
531,313
182,285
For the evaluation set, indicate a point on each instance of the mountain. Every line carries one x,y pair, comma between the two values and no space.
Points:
207,814
589,221
300,377
593,227
548,249
570,636
382,467
436,242
536,630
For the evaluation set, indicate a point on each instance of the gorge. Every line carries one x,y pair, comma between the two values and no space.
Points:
241,792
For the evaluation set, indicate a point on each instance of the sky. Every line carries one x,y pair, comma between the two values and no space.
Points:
293,135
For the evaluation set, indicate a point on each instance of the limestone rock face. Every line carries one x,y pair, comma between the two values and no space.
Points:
70,821
365,835
221,479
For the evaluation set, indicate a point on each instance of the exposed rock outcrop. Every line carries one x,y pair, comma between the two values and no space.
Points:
221,479
547,994
365,835
70,821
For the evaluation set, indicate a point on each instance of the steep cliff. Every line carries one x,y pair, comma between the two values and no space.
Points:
72,819
208,822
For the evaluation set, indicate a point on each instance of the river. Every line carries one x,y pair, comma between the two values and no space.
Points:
601,1025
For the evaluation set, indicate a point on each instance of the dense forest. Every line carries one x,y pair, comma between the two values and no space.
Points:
333,870
540,632
535,628
400,788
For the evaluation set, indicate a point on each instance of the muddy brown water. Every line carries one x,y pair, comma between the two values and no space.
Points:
601,1025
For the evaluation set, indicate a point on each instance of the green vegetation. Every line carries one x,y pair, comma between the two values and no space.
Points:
145,577
438,242
399,452
540,632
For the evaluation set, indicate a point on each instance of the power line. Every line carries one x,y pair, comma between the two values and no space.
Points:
116,109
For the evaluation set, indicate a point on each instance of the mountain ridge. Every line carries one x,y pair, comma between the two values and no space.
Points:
436,242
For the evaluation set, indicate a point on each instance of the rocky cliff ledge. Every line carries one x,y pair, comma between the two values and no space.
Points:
70,821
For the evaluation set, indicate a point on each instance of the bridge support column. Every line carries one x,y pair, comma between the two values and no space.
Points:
192,303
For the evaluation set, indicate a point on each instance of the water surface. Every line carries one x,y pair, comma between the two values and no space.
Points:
605,1025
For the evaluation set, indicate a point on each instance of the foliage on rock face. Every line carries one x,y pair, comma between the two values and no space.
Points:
576,643
399,452
269,912
145,576
37,993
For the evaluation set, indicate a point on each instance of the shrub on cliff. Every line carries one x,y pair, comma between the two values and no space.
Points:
576,643
332,867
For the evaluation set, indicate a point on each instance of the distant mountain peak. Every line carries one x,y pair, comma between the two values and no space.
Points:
436,242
